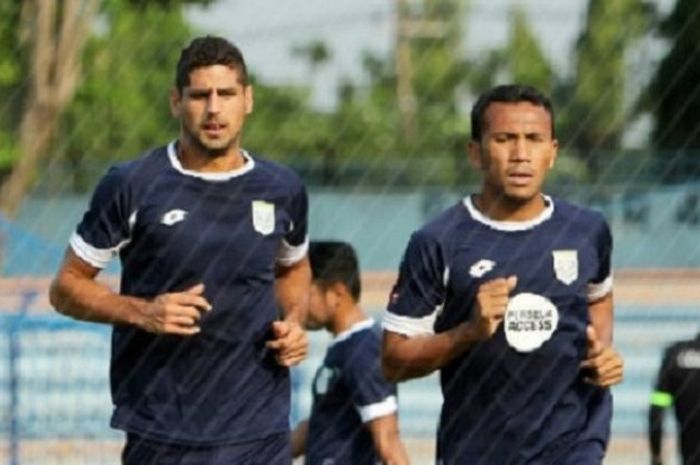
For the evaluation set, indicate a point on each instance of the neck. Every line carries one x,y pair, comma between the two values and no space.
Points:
500,208
347,314
194,157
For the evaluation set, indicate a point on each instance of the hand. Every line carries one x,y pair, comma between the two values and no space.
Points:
604,364
491,304
289,341
175,313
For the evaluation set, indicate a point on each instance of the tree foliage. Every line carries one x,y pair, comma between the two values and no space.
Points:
675,90
598,103
527,63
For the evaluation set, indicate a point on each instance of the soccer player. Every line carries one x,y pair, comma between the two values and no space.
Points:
509,294
354,415
678,385
211,238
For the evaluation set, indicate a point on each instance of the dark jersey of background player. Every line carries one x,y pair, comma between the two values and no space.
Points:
211,239
678,385
353,419
349,390
508,293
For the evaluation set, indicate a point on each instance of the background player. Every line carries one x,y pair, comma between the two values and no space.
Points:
205,231
678,385
509,294
354,414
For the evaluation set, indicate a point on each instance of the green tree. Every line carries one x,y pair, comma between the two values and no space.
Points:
598,113
122,107
674,94
527,63
12,83
94,81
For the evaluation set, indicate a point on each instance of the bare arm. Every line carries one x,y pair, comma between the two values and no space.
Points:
292,288
404,357
75,293
387,443
603,364
299,435
600,313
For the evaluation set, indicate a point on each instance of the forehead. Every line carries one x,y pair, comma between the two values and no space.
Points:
215,76
517,116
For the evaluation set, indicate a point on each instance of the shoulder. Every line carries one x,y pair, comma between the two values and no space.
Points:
579,217
277,171
140,170
441,229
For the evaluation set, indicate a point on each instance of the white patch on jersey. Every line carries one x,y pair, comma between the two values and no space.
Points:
689,359
530,321
481,267
263,217
173,216
323,380
566,265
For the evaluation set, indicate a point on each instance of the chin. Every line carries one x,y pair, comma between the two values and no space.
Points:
520,198
214,149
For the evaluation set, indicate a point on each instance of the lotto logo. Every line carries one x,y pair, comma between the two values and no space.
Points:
481,267
173,216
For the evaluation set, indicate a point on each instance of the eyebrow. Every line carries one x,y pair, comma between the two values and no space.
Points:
209,90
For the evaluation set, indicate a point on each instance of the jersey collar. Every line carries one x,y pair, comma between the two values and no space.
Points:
356,328
224,176
510,225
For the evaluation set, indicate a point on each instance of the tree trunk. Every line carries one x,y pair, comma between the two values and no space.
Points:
54,74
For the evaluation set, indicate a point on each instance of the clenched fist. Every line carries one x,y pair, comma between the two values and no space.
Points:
175,312
490,306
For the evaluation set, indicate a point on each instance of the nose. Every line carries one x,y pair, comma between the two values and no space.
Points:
521,151
213,103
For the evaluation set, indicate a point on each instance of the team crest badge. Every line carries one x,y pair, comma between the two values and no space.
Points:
566,265
263,217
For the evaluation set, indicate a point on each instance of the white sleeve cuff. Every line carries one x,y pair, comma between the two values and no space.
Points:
409,326
597,291
381,409
288,255
99,258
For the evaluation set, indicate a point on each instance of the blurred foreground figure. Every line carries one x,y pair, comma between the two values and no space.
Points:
509,294
206,233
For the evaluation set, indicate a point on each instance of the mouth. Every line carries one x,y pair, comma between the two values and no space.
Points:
519,178
213,129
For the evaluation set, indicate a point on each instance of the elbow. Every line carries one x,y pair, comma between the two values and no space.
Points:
57,296
392,369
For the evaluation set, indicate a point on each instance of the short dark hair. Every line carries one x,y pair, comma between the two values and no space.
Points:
510,93
334,262
209,51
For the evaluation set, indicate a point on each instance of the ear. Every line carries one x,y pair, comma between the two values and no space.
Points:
474,151
175,102
555,152
331,298
249,100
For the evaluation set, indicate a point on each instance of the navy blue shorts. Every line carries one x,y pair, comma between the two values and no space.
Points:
273,450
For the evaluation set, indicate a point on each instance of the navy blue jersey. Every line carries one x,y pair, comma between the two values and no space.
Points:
172,229
518,397
348,391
